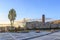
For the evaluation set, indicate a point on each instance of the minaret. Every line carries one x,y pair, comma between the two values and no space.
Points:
43,19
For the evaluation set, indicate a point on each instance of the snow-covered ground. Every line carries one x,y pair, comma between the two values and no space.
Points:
21,36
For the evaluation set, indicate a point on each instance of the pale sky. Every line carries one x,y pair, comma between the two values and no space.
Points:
30,9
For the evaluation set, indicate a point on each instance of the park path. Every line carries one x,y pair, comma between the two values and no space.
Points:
23,36
53,36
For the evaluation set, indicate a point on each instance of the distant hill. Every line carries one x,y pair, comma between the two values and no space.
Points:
56,22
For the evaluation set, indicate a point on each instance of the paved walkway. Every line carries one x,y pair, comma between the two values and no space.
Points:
43,35
20,36
53,36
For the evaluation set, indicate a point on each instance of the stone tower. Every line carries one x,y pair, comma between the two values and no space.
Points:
43,18
43,21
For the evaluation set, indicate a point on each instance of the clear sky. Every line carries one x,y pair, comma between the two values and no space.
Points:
30,9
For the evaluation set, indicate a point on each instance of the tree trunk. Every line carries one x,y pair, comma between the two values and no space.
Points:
11,23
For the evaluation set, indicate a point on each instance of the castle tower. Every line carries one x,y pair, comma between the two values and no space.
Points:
43,19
